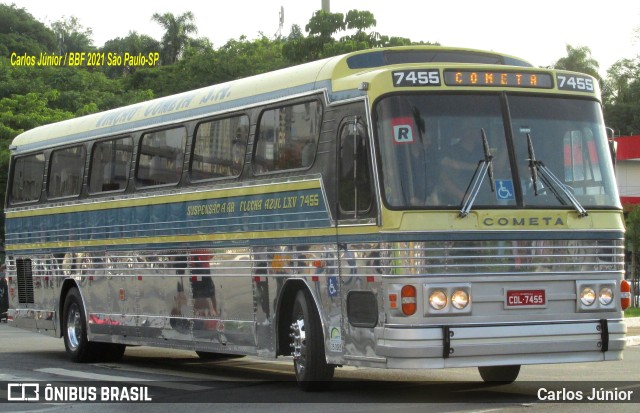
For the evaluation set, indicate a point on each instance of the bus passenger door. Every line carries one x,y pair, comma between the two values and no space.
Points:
355,183
357,249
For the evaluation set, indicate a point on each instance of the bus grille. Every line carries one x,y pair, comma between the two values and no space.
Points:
25,281
448,258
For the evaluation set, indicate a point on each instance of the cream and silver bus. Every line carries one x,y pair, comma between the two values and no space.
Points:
409,208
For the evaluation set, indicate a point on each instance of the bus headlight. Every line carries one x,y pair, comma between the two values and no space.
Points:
596,295
438,300
447,299
460,299
587,296
605,296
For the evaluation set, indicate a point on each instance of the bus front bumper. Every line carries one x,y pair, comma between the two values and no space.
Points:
502,344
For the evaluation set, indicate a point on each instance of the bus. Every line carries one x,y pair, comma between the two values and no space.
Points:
400,208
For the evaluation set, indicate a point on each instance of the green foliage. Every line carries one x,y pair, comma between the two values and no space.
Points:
621,95
23,112
360,20
632,238
21,33
620,89
323,26
578,59
19,113
133,44
632,312
72,36
176,36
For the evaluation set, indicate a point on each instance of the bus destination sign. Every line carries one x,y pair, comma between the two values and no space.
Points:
495,78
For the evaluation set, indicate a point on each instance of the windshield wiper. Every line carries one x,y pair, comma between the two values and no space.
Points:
539,169
485,166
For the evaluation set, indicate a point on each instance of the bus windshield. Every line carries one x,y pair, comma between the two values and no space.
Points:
431,146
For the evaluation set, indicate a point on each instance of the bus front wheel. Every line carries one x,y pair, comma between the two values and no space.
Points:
499,374
74,329
307,345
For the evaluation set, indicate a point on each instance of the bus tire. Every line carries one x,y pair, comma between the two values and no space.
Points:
74,330
307,344
109,352
211,356
499,374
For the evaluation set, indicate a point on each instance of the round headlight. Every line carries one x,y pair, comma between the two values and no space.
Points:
460,299
587,296
438,300
606,296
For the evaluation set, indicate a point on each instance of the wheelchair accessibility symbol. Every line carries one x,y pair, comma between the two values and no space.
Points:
504,190
332,286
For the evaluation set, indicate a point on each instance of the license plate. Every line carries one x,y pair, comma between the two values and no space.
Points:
526,298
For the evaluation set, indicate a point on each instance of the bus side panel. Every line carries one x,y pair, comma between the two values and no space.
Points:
193,299
33,297
362,302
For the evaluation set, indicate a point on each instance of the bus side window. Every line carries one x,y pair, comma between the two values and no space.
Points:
287,137
67,169
28,173
219,148
161,157
354,174
110,164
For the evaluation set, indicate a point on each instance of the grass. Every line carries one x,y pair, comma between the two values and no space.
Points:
632,312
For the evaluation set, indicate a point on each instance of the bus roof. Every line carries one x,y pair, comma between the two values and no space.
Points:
250,91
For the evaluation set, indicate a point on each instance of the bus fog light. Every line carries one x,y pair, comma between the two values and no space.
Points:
605,296
587,296
460,299
438,300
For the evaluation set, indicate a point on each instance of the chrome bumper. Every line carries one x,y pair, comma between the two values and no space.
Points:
469,346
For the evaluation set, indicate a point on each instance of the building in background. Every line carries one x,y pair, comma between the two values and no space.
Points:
628,170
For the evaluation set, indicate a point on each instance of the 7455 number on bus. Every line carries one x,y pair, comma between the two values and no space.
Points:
580,83
403,78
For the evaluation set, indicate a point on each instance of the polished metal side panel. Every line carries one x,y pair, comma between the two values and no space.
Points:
45,287
361,270
315,266
41,315
225,299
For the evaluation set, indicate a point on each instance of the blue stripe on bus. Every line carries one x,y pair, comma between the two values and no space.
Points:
287,210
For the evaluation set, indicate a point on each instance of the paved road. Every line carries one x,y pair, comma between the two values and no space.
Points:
175,379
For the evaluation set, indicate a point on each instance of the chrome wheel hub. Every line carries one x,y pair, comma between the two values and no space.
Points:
298,344
74,326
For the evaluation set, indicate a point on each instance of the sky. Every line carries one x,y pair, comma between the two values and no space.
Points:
535,30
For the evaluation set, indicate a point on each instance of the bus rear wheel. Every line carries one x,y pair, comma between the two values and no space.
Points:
313,373
499,374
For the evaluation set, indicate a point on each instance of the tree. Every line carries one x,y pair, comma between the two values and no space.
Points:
323,26
133,44
360,21
176,36
578,59
621,96
20,113
21,33
72,36
294,47
632,238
